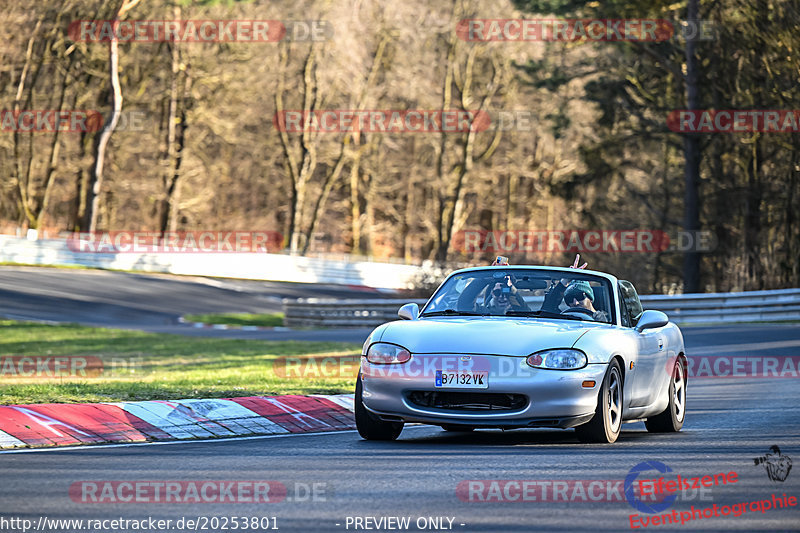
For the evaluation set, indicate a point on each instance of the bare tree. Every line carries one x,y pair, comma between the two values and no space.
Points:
96,174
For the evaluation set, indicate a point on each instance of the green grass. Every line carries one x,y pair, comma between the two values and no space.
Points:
239,319
145,366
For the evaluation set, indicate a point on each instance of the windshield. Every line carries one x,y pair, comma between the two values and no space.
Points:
527,293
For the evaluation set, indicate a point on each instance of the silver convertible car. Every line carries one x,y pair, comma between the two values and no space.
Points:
524,347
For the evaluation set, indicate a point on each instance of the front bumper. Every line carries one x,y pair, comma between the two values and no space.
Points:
552,398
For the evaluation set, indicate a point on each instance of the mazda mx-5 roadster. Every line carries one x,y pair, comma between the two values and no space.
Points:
524,347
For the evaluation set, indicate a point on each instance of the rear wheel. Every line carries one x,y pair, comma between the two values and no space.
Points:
455,427
671,419
369,426
606,423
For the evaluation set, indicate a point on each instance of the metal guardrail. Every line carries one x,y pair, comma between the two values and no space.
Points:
320,312
752,306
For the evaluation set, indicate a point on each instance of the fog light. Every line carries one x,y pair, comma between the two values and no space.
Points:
535,360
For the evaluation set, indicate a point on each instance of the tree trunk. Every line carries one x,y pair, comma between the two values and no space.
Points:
176,136
355,207
692,154
96,174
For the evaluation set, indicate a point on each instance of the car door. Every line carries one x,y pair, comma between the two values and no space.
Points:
644,376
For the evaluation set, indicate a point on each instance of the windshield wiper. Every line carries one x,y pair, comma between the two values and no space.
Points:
550,314
542,314
451,312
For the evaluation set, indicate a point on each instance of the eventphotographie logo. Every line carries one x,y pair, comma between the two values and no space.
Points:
775,463
634,498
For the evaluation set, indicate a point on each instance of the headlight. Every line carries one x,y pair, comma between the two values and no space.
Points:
563,359
383,353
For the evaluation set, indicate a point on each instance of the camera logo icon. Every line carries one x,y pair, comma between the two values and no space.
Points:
777,465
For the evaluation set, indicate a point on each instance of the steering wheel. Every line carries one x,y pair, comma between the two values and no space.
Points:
578,310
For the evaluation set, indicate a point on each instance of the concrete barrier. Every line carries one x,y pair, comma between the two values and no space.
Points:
242,265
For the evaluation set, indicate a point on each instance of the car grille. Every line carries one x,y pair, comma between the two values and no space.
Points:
468,401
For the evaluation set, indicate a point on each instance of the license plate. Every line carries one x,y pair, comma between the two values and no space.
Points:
462,380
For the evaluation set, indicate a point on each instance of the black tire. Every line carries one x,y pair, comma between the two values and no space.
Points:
606,424
369,426
670,420
457,428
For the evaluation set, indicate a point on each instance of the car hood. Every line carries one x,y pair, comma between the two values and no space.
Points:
481,335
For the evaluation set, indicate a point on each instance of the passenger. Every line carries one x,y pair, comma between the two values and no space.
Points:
505,297
499,302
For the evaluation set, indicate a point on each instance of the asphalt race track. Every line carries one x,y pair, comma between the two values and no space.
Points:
154,302
730,422
332,479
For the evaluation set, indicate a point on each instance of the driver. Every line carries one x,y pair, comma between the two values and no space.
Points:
578,295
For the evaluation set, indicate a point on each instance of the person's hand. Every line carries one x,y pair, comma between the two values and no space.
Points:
565,281
500,261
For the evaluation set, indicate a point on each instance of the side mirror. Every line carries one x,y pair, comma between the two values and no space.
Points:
408,312
651,319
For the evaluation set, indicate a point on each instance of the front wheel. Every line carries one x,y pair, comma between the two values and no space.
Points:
369,426
606,423
670,420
